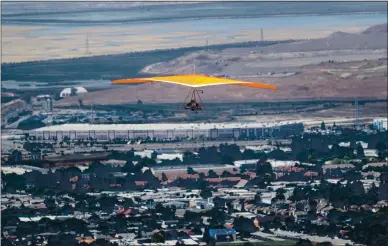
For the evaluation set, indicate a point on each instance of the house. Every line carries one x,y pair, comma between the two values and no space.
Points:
223,235
126,236
176,204
266,236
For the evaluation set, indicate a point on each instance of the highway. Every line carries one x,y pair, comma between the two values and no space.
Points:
166,146
179,146
16,123
196,167
194,144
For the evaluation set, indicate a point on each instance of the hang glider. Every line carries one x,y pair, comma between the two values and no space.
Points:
194,81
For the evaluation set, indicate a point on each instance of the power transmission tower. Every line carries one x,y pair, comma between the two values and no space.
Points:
87,46
261,35
356,113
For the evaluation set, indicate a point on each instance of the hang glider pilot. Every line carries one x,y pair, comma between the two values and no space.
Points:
193,105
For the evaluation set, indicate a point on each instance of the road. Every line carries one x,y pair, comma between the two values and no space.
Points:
166,146
16,123
196,167
193,145
7,144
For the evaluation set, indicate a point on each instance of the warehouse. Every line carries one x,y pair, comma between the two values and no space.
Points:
169,131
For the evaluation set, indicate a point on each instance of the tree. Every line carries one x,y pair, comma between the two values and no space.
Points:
189,158
381,149
158,237
206,236
279,195
164,177
206,193
190,171
225,173
139,102
28,146
257,198
303,242
324,244
129,167
263,167
360,150
226,159
15,156
50,203
244,225
209,155
323,127
66,139
154,155
14,181
212,174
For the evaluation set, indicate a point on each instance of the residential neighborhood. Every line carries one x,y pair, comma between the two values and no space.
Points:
318,189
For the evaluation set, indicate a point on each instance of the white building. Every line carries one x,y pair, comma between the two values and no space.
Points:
77,90
380,123
169,131
48,105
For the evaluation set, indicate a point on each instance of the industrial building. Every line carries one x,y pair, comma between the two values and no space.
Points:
169,131
48,105
380,124
72,91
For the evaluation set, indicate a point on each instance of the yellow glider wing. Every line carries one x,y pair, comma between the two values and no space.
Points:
195,80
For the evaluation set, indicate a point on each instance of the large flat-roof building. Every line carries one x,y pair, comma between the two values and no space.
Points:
169,131
380,124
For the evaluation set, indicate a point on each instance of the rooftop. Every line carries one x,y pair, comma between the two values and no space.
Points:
186,126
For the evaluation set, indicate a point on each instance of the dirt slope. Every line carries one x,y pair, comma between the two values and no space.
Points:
365,79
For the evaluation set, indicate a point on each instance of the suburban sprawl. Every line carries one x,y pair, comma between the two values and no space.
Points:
282,139
325,185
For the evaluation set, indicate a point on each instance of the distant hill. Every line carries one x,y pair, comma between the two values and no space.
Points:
248,61
376,29
374,37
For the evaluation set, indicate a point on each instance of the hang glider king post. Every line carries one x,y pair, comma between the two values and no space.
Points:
194,81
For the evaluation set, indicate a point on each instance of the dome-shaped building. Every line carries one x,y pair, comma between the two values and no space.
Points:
72,91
